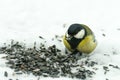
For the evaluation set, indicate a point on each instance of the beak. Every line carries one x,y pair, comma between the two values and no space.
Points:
68,37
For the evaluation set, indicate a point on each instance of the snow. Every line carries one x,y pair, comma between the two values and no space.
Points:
26,20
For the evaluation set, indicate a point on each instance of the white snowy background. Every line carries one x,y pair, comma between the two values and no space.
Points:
26,20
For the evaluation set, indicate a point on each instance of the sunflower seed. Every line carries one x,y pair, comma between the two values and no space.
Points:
5,74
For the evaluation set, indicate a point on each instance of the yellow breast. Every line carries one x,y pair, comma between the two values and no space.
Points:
67,45
87,45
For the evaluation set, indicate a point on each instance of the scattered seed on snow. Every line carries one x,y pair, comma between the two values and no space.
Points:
43,61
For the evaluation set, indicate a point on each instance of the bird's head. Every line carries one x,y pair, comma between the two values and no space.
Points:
75,30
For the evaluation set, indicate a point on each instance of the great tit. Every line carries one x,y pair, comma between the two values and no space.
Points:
79,37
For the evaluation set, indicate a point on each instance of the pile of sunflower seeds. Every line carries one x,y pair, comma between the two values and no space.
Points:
43,61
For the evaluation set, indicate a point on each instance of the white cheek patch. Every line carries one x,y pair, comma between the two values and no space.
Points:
80,34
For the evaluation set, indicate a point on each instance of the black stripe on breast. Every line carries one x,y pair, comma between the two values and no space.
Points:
74,42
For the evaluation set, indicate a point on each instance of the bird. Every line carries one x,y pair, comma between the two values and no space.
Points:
79,38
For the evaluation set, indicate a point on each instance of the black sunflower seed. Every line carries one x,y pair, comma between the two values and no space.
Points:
44,61
6,74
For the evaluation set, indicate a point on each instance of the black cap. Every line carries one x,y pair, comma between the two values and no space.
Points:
74,29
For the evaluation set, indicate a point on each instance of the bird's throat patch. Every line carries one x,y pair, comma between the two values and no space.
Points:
74,42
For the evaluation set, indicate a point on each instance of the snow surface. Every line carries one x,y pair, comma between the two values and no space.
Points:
26,20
